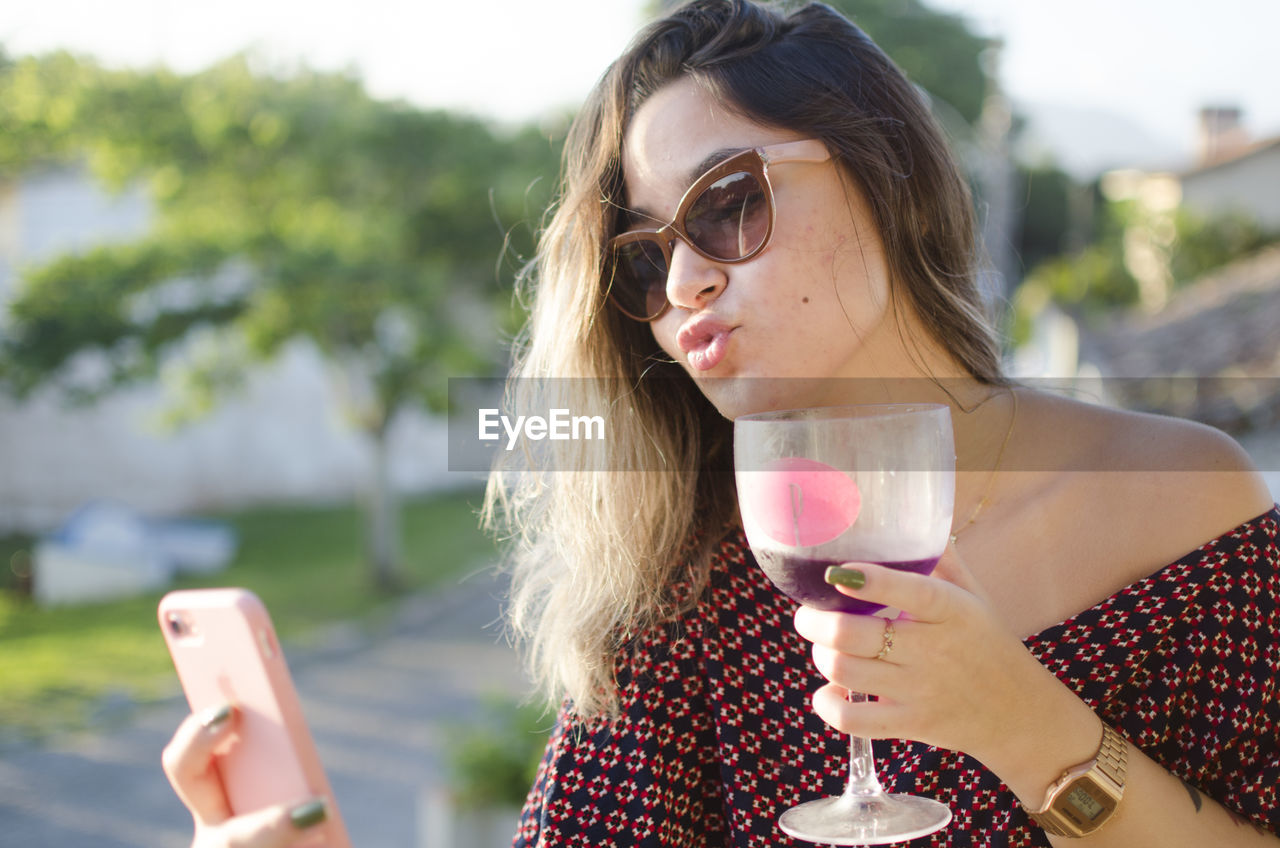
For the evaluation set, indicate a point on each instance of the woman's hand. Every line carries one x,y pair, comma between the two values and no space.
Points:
954,677
189,763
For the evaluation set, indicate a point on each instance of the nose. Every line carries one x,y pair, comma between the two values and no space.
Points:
692,281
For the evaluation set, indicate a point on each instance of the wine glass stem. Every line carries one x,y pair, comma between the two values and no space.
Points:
862,765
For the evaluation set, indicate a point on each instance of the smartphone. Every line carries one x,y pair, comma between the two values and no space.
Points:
225,649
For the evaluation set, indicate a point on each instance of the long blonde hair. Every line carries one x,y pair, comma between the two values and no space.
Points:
612,537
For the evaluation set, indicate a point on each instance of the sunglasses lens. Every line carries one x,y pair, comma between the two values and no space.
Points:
730,219
639,282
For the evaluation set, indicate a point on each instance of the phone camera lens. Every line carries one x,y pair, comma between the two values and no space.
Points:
176,625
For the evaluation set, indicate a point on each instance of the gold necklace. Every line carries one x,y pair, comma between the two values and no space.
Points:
995,470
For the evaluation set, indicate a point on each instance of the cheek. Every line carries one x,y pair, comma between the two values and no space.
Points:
861,278
664,333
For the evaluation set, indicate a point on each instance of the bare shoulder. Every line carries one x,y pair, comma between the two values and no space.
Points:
1149,475
1092,498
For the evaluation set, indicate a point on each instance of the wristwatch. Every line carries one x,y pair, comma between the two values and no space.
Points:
1086,796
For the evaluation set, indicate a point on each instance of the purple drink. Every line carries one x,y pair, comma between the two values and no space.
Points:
801,578
822,486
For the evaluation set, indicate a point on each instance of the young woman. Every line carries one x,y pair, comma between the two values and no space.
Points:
1075,596
1086,587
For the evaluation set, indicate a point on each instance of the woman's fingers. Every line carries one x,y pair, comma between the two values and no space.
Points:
188,761
920,597
868,676
859,635
872,719
272,827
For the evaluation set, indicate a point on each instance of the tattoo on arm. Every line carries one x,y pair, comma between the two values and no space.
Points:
1237,820
1194,793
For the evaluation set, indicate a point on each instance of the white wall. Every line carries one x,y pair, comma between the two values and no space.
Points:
1249,184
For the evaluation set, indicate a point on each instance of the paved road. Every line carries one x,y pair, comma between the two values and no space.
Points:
378,707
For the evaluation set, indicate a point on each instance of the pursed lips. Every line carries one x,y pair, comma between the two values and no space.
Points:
704,339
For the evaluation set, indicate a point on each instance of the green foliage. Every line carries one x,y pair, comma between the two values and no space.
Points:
1044,196
494,760
1205,243
936,50
39,105
287,206
99,300
1095,278
1098,278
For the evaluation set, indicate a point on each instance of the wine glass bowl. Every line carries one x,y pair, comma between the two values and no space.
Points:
828,485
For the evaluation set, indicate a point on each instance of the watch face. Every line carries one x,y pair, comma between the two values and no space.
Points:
1084,798
1085,804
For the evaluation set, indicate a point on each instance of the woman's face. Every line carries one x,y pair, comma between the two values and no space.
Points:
769,332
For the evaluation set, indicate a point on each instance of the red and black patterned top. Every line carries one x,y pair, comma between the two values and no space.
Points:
717,738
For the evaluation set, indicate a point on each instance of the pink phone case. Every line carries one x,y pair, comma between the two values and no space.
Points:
225,649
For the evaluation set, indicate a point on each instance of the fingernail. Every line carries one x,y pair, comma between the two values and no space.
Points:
309,814
214,717
850,578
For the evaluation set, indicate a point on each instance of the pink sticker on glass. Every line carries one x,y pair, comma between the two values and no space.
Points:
800,502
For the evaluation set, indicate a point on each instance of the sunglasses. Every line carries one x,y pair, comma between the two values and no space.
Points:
725,216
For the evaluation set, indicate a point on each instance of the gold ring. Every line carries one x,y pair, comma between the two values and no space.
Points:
887,636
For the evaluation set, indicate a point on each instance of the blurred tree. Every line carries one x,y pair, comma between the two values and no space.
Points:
1100,276
287,206
1206,242
1045,194
936,50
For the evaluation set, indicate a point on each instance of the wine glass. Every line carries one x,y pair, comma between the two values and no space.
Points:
824,486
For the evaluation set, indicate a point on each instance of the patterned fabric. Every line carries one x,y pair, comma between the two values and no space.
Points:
717,737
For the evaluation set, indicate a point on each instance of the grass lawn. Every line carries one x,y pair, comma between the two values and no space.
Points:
64,668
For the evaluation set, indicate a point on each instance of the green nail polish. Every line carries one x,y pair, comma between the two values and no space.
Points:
850,578
309,814
214,717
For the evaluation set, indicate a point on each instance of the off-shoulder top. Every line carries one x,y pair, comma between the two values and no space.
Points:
716,735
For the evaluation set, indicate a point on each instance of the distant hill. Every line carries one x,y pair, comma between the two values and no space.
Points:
1085,142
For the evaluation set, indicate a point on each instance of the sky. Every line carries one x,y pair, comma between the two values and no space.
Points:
1150,64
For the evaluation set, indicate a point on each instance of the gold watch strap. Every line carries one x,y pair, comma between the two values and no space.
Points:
1106,770
1113,755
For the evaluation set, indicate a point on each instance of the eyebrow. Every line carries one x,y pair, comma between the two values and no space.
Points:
712,160
630,215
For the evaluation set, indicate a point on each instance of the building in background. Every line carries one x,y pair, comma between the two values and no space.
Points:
1233,173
